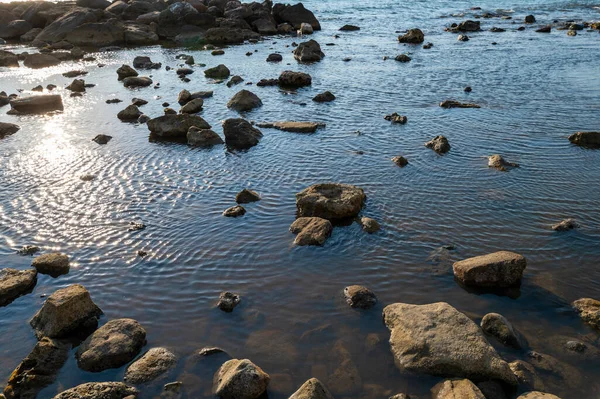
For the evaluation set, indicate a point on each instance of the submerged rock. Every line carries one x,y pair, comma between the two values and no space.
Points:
228,301
565,225
454,389
309,51
28,250
293,126
197,137
589,311
150,366
349,28
14,283
294,79
396,118
240,134
311,230
312,389
37,104
526,375
370,225
234,211
175,127
345,379
586,139
54,264
244,100
496,161
330,201
240,379
400,161
361,297
457,104
246,196
99,390
544,29
324,97
413,36
497,270
497,326
437,339
439,144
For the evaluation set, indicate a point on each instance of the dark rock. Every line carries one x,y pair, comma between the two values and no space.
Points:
361,297
324,97
223,35
129,114
14,29
218,72
268,82
468,26
6,129
400,161
497,326
526,375
349,28
53,264
529,19
311,230
74,74
78,86
295,15
192,107
102,139
439,144
240,379
28,250
586,139
294,79
413,36
370,225
174,127
217,52
138,102
457,104
202,137
240,134
125,71
228,301
402,58
545,29
396,118
244,100
309,51
463,38
184,71
67,23
274,58
565,225
37,61
14,283
499,269
246,196
137,81
142,62
498,162
8,59
37,104
99,4
234,211
330,201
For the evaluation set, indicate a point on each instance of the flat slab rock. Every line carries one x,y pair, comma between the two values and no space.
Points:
99,390
293,126
53,264
330,201
498,269
14,283
439,340
37,104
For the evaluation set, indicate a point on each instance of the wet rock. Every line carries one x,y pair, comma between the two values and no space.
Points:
537,395
217,52
234,211
468,89
499,269
14,29
295,15
565,225
451,389
37,61
324,97
87,177
309,51
312,389
413,36
330,201
37,104
497,30
133,226
125,71
311,230
218,72
345,379
274,58
30,35
571,33
498,162
349,28
240,379
240,134
268,82
102,139
235,80
138,102
293,126
6,129
54,264
396,118
305,29
497,326
8,59
526,375
38,370
111,346
14,283
402,58
193,107
400,161
544,29
142,62
184,71
400,396
169,111
74,74
529,19
226,35
137,81
202,137
99,390
175,127
184,97
99,4
437,339
439,144
360,297
294,79
129,114
586,139
65,312
463,38
370,225
210,350
228,301
28,250
589,311
468,26
246,196
150,366
244,100
457,104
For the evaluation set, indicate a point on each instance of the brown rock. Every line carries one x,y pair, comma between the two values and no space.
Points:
499,269
311,230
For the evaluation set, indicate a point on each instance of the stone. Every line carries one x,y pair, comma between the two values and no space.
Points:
468,26
240,379
360,297
413,36
496,270
143,62
38,370
226,35
54,264
492,390
457,104
498,162
129,114
111,346
529,19
349,28
99,4
403,58
8,59
294,79
439,340
218,72
526,375
311,230
228,301
370,225
74,73
102,139
274,58
400,161
14,29
537,395
544,29
293,126
565,225
217,52
312,389
137,81
15,283
65,312
28,250
6,129
184,97
496,325
586,139
589,311
30,35
463,38
58,30
308,52
197,137
125,71
396,118
37,104
99,390
330,201
175,127
37,61
184,71
305,29
451,389
247,196
150,366
235,80
193,107
345,379
138,102
439,144
244,100
240,134
324,97
295,15
234,211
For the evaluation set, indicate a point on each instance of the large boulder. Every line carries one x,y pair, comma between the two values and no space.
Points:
97,34
293,79
586,139
14,283
413,36
37,104
295,15
152,365
497,270
330,201
15,29
311,230
240,379
130,114
8,59
309,51
589,311
240,134
125,71
175,127
64,25
98,4
244,100
224,35
30,35
312,389
38,60
111,346
53,264
38,370
439,340
454,389
65,312
139,35
99,390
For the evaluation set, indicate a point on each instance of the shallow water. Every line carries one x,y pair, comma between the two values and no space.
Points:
535,89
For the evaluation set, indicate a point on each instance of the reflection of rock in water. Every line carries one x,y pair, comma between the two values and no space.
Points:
441,259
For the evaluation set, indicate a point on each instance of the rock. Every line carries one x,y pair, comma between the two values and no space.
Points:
193,107
218,72
111,346
330,201
143,118
99,4
496,161
246,196
139,35
235,81
349,28
184,97
499,269
129,114
312,389
224,35
38,370
537,395
74,74
65,312
544,29
400,396
345,379
244,100
457,104
294,79
439,144
234,211
311,230
309,51
589,311
468,26
6,129
8,59
292,126
228,301
125,71
14,29
497,30
451,389
396,118
526,375
295,15
28,250
324,97
268,82
370,225
136,81
497,326
37,104
143,62
463,38
305,29
529,19
492,390
202,137
67,23
586,139
439,340
402,58
184,71
274,58
240,134
218,52
175,127
150,366
138,102
571,33
14,283
468,89
99,390
400,161
240,379
102,139
30,35
565,225
54,264
37,61
360,297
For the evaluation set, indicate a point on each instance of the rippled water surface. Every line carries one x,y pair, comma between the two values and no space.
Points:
535,90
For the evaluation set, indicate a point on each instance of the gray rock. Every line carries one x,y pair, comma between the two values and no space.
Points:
439,144
150,366
8,59
400,161
451,389
67,23
193,106
330,201
360,297
14,29
457,104
274,58
143,62
14,283
129,114
295,15
235,80
240,134
312,389
402,58
202,137
240,379
37,104
125,71
54,264
309,51
175,127
99,390
497,270
311,230
292,126
324,97
565,225
228,301
137,81
102,139
244,100
229,35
